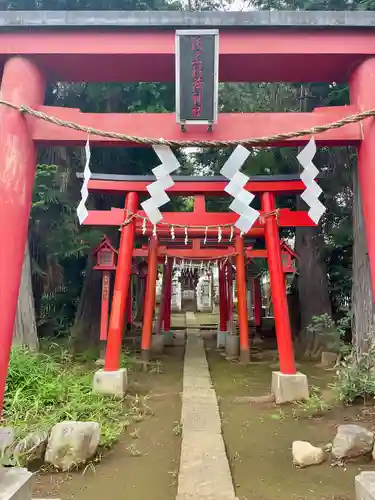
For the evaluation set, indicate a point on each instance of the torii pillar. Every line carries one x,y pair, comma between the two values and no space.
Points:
223,307
287,384
22,83
168,333
362,95
113,379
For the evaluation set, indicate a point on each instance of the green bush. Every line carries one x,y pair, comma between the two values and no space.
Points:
44,389
331,332
356,378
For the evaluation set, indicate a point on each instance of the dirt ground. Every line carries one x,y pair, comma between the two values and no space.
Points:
258,437
137,469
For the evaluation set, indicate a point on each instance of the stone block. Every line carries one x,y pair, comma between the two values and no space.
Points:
244,356
305,454
352,441
15,484
289,388
232,346
157,344
7,438
112,383
72,444
179,338
168,338
328,359
221,336
365,486
31,447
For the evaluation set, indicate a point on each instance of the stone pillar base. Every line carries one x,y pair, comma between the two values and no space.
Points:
232,346
15,483
112,383
365,486
245,356
157,344
328,359
168,338
221,336
179,338
289,388
145,355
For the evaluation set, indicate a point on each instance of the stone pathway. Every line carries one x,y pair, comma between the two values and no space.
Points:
204,468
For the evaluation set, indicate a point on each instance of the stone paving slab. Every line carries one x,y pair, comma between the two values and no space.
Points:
204,469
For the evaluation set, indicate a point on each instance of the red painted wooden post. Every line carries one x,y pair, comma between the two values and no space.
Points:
106,284
257,294
121,289
149,299
168,298
280,304
229,286
362,95
222,299
22,83
241,300
160,319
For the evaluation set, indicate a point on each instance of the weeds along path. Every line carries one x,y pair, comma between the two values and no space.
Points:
145,463
258,437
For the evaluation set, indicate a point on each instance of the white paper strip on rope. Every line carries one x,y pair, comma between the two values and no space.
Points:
242,198
82,212
158,196
312,192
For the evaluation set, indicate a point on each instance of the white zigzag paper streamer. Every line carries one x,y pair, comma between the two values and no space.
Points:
82,212
312,192
242,198
158,196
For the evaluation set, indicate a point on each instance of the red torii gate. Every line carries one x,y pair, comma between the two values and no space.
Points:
142,48
214,251
185,223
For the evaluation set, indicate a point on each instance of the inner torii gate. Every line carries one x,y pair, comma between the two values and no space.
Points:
254,47
183,225
216,253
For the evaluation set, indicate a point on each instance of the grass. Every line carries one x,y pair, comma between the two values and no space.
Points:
46,388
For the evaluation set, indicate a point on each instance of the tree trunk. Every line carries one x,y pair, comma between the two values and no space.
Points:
312,286
362,302
25,332
86,326
294,313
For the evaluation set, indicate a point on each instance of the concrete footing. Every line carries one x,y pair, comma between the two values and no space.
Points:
365,486
157,344
232,345
245,356
15,483
221,336
168,338
179,338
112,383
289,388
328,359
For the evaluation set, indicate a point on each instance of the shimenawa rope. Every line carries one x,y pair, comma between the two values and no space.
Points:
251,141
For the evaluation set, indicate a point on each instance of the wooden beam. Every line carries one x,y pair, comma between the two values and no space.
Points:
189,188
246,55
115,217
230,126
